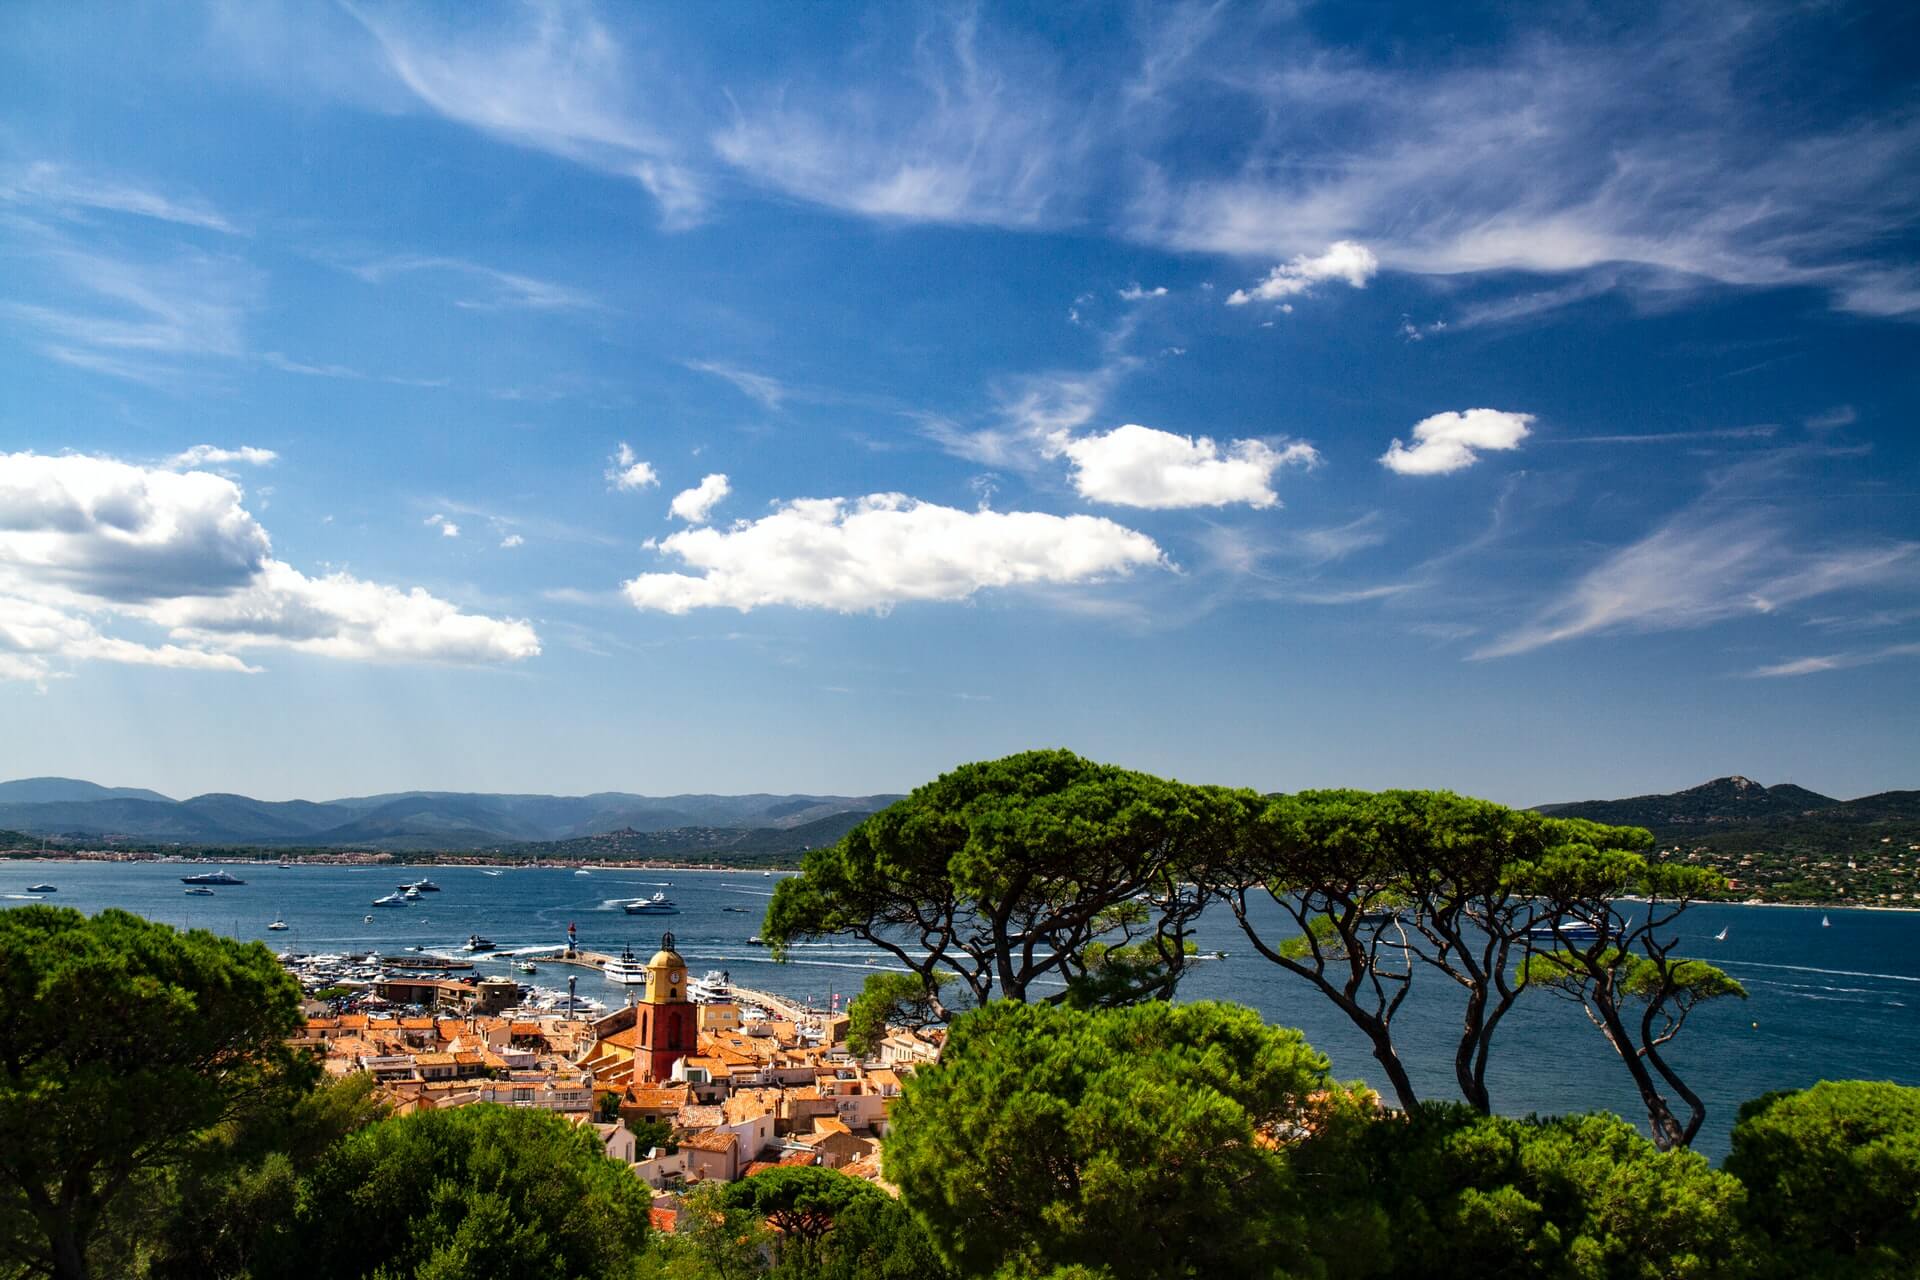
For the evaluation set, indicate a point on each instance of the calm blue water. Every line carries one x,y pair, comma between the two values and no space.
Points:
1833,1003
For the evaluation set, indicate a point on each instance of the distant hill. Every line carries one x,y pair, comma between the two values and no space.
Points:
57,790
410,820
1739,814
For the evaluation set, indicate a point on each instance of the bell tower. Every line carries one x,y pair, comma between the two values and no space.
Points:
665,1021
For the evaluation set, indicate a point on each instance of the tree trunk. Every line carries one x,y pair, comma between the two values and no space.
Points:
1396,1072
1667,1133
1468,1059
69,1253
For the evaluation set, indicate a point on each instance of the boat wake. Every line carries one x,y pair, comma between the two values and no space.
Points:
1801,968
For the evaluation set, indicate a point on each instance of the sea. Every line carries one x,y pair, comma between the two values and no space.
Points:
1833,1001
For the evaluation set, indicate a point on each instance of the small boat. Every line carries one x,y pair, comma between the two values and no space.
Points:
756,941
1722,935
410,893
197,892
768,874
1824,922
489,873
625,968
41,888
1565,931
583,872
212,877
658,905
390,900
366,919
527,966
422,885
477,943
278,923
741,910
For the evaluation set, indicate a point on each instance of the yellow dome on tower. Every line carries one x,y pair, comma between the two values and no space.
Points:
666,975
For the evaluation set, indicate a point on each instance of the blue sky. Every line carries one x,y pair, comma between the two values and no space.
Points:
551,397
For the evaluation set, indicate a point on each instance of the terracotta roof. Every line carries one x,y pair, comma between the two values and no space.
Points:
663,1219
712,1140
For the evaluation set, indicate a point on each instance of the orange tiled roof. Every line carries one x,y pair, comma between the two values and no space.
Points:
713,1140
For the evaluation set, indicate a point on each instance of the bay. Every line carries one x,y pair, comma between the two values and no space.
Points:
1838,1002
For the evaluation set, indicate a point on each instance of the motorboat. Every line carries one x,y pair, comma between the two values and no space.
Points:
410,893
756,941
212,877
625,969
391,900
41,888
741,910
422,885
583,872
477,943
197,892
527,966
278,924
489,873
365,919
658,905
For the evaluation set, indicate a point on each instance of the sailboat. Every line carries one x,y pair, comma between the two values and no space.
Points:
1824,922
1722,935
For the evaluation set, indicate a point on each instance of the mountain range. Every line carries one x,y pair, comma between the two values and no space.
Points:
413,820
1736,812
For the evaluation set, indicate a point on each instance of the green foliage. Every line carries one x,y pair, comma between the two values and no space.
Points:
833,1227
650,1132
715,1240
1833,1178
121,1043
1005,872
1139,1139
1467,1196
896,998
480,1192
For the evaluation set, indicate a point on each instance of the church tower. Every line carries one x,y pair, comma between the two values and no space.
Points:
666,1024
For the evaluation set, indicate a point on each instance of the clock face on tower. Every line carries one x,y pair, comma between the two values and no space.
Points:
677,976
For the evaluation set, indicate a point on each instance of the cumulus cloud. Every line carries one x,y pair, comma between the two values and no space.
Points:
201,455
511,541
1446,442
1136,466
696,504
1345,260
626,471
865,555
87,543
447,528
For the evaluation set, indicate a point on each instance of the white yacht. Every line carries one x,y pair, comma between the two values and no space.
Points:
712,987
422,885
279,922
410,894
658,905
390,900
626,968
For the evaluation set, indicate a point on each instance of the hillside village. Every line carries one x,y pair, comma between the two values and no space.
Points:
735,1086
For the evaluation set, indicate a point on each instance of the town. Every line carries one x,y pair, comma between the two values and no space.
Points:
725,1082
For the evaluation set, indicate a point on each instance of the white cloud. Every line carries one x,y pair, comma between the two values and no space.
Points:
1345,260
86,542
1701,567
868,554
1446,442
696,504
1836,661
1136,466
511,541
201,455
1134,293
627,472
447,528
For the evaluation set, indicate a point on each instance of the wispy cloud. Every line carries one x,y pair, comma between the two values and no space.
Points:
1555,152
63,188
501,289
770,392
962,133
1729,554
558,82
1836,661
